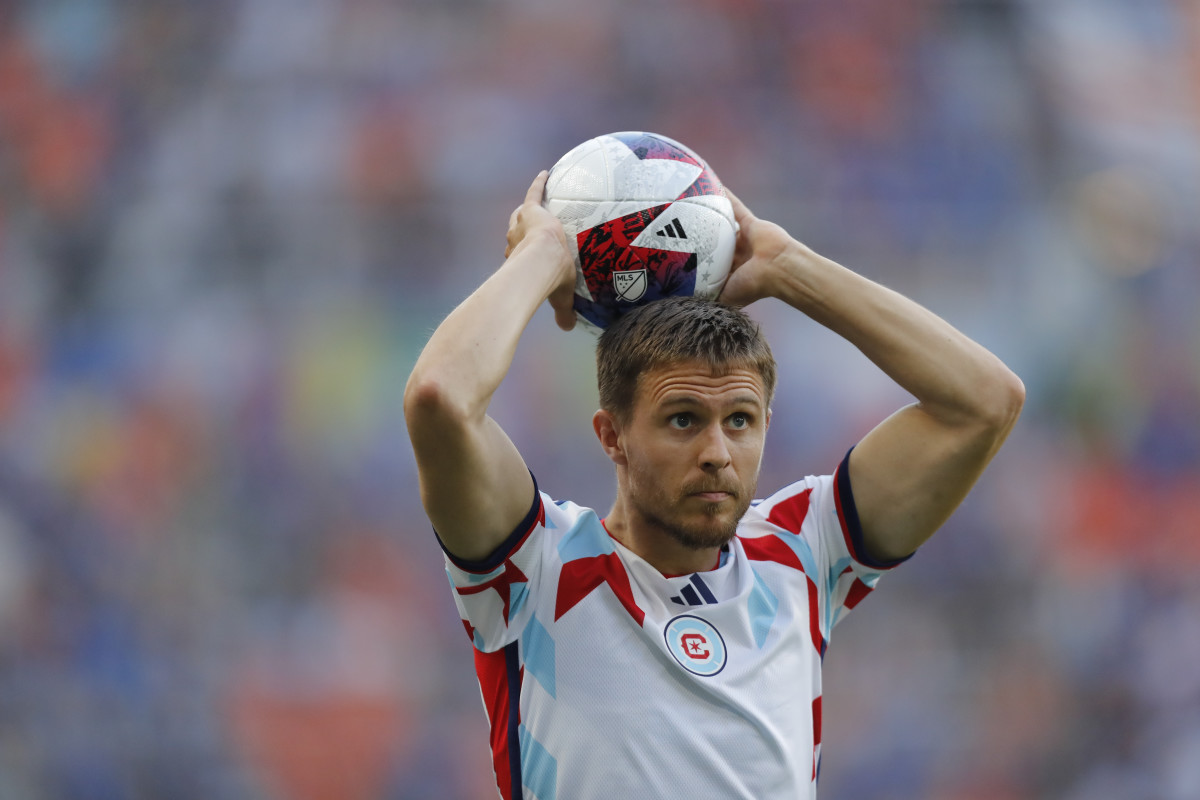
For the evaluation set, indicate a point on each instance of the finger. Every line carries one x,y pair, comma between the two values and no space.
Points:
563,303
740,212
512,218
734,293
537,188
564,318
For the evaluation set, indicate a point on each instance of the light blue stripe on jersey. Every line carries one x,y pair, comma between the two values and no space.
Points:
833,614
800,546
539,769
763,605
537,653
517,594
480,577
586,539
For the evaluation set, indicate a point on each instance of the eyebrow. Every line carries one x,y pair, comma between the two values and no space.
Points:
686,400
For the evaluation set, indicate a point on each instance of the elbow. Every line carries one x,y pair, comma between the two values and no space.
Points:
420,395
1002,403
428,400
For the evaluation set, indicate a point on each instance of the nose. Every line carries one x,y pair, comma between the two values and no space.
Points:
714,449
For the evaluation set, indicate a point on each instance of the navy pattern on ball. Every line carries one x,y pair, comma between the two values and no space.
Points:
645,145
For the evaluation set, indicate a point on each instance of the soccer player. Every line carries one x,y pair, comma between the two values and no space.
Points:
672,648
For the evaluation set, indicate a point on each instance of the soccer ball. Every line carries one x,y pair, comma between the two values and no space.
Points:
645,218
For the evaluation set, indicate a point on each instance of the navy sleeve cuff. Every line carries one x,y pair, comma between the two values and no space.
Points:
508,546
851,526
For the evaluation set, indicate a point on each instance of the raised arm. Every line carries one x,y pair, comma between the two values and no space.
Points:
914,468
474,484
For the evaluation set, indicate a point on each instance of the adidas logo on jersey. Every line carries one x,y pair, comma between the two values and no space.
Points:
673,230
698,596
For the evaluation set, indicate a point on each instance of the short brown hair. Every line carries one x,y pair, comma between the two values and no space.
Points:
673,331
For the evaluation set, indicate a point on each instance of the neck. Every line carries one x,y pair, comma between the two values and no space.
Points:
655,546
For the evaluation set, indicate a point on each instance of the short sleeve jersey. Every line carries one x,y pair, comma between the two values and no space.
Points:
603,678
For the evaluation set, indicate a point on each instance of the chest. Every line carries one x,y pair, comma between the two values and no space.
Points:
638,641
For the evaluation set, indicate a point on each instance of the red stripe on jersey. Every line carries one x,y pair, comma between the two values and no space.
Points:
858,590
789,514
581,576
816,717
772,548
493,673
502,583
814,619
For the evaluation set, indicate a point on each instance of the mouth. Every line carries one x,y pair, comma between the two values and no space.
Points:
713,496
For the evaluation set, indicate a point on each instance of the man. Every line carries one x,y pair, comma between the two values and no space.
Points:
673,648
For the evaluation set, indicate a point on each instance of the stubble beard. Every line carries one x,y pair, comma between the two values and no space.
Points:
648,501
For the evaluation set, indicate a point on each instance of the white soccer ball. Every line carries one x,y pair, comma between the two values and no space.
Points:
645,218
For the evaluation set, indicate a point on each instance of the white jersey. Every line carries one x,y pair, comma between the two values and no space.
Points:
603,678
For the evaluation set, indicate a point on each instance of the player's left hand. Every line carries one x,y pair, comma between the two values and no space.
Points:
530,222
760,248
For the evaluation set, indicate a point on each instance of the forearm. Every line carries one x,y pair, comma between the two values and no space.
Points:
954,378
912,470
474,483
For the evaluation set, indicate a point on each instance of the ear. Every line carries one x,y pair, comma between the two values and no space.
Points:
608,431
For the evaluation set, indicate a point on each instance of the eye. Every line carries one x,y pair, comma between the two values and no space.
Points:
681,421
739,420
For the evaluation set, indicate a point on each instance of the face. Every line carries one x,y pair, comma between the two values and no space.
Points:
692,451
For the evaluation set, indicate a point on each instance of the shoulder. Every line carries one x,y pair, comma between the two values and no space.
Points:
552,534
820,509
780,528
790,507
547,520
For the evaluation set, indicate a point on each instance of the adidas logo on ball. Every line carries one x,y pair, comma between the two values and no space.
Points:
674,230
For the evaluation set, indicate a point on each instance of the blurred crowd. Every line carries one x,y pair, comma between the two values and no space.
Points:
226,229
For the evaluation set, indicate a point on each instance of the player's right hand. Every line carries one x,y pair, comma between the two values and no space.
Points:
531,222
761,248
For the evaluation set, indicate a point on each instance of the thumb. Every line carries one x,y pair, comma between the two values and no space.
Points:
741,213
564,318
742,286
563,303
